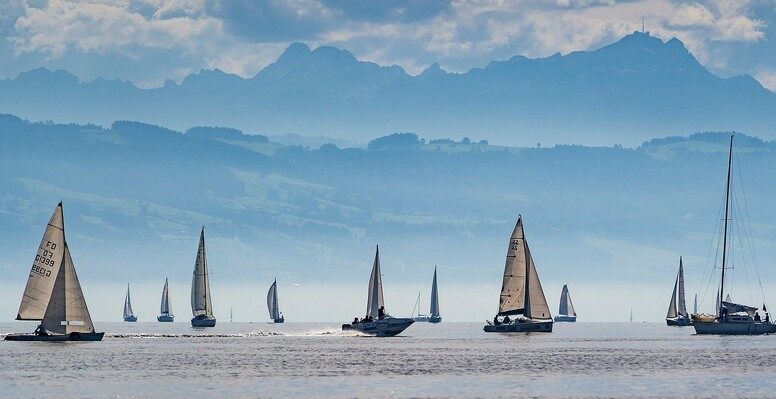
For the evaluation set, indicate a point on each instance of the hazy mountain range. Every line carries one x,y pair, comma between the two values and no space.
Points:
626,92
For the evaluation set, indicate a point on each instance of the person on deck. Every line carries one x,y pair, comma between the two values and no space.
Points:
507,320
381,313
757,316
355,320
495,321
41,330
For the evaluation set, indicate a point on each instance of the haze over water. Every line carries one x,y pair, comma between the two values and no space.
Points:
449,359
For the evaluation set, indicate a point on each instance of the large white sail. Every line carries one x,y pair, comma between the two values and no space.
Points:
434,311
535,302
682,310
67,311
45,269
200,283
672,313
128,305
566,306
375,299
272,301
165,308
512,299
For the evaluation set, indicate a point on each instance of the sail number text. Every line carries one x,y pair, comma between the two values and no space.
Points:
44,258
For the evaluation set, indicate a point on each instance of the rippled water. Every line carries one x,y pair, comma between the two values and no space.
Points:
448,359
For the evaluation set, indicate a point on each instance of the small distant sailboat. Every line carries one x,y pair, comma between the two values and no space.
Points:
377,320
566,312
677,310
433,316
521,296
165,311
631,316
129,315
273,305
231,315
731,318
53,293
201,305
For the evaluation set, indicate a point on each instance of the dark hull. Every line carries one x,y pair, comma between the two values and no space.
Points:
165,319
680,322
734,328
279,321
434,319
530,326
203,322
387,327
96,336
565,319
130,319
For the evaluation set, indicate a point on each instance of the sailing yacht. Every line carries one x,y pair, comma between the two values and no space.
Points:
677,310
522,296
377,320
53,293
731,318
566,312
129,315
433,314
273,305
165,309
201,305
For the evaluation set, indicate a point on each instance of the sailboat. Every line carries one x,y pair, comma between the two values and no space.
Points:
129,315
377,320
165,310
521,296
731,318
631,316
677,310
419,317
566,312
433,314
273,305
53,293
201,305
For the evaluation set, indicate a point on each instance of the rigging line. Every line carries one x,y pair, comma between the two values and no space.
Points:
715,237
748,230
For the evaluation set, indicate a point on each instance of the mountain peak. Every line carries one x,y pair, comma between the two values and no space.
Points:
294,54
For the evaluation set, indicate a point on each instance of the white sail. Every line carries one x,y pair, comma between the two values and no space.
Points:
45,269
566,307
200,283
128,305
535,302
695,305
512,299
66,311
272,301
165,308
682,308
434,297
672,313
375,299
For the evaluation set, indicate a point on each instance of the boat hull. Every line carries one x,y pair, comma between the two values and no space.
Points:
130,319
280,320
679,322
565,319
528,326
734,328
434,319
387,327
165,319
203,322
96,336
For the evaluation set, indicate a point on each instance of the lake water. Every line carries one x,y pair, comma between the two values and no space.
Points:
448,359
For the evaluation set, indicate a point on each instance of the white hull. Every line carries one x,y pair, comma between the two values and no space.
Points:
521,326
387,327
734,328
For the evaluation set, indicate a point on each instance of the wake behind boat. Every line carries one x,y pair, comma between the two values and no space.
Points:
53,293
129,315
377,321
731,318
677,311
566,312
522,296
273,305
201,305
165,309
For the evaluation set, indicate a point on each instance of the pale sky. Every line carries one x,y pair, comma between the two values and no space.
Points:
148,41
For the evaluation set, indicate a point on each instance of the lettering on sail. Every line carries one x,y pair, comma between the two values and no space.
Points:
43,259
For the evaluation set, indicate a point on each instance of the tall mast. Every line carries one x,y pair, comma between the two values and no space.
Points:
724,236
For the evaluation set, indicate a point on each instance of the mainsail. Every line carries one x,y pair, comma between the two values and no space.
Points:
672,313
45,269
165,308
200,283
566,306
272,301
682,306
375,299
128,305
434,297
66,311
521,290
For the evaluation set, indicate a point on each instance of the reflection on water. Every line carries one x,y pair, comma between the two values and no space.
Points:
449,359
